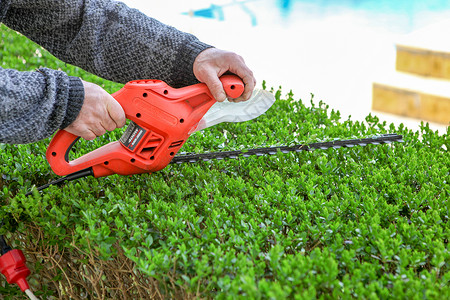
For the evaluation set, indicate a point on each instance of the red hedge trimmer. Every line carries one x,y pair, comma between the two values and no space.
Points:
162,119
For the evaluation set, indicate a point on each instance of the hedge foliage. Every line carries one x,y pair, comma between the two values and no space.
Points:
363,222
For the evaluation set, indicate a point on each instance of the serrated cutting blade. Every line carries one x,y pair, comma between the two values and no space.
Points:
376,140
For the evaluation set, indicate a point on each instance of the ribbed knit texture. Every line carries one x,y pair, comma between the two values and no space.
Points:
104,37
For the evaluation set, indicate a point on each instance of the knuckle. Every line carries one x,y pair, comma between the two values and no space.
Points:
111,126
89,136
77,128
122,122
100,131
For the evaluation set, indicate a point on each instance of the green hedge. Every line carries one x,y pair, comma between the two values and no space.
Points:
363,222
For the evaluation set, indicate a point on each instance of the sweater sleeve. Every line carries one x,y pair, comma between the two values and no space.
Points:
33,105
108,38
104,37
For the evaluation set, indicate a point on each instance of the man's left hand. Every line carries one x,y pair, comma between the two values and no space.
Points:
212,63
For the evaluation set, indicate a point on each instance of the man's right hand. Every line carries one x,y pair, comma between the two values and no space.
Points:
100,113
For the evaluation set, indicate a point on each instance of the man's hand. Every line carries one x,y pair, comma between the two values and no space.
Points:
212,63
100,113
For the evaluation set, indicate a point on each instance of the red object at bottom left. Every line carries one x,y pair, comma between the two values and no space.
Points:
12,265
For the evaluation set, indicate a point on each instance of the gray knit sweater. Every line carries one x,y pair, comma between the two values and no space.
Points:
104,37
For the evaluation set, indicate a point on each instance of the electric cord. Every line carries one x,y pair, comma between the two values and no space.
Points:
77,175
30,295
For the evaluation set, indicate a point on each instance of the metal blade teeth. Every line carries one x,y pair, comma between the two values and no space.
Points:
383,139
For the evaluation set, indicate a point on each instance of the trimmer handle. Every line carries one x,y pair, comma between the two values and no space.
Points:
162,119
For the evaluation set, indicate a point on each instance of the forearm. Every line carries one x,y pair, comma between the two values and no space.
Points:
108,39
33,105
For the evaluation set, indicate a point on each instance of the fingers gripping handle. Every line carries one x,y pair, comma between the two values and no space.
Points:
62,143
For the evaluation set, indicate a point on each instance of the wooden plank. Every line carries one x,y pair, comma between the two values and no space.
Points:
410,103
423,62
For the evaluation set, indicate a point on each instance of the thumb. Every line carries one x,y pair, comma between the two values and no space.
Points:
215,86
116,112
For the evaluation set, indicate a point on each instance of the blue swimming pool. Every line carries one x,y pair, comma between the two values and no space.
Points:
396,15
384,5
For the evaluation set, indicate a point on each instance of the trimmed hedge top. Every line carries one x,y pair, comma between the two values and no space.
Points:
366,222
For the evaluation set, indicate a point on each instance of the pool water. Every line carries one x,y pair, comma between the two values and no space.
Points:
405,6
401,16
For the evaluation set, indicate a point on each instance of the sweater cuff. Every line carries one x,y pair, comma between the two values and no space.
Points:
184,67
74,102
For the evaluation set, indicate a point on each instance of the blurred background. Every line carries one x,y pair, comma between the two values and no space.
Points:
337,50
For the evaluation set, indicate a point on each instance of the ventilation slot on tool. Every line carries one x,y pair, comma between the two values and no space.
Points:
176,144
147,151
150,146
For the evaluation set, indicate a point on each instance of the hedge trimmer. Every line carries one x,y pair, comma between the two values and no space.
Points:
162,119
